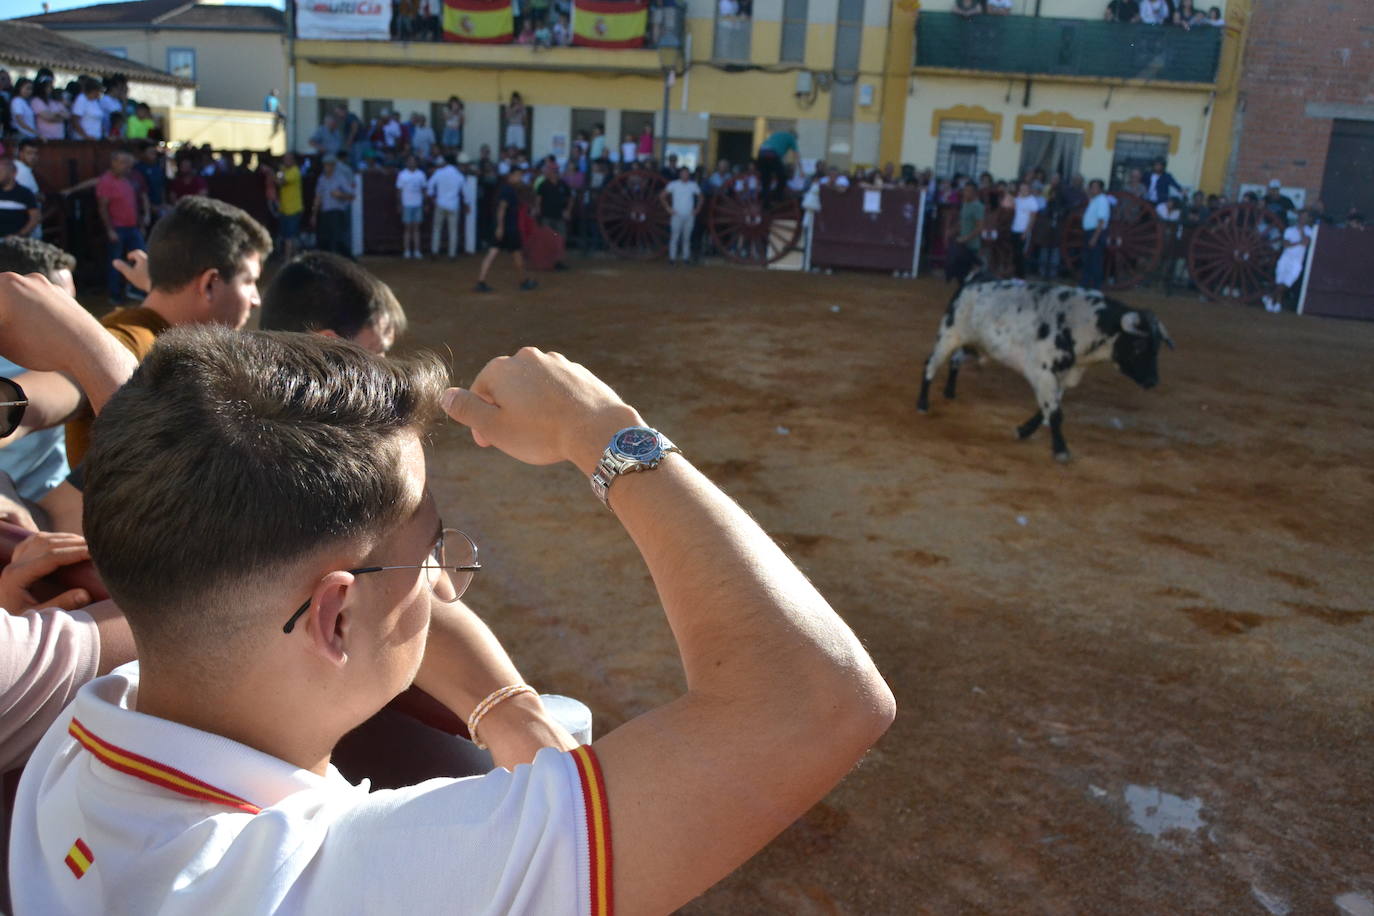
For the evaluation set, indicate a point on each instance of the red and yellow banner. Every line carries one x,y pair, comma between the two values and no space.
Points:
609,23
479,21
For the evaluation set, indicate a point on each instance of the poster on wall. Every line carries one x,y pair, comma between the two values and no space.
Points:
350,20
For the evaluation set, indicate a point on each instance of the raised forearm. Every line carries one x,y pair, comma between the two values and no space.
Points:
53,398
750,628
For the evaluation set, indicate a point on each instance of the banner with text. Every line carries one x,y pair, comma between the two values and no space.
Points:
490,22
609,23
355,20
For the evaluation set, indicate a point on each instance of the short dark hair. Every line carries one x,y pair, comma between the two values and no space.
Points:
230,456
31,256
320,291
28,141
202,234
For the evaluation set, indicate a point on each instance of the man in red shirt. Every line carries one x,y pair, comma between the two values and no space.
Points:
118,203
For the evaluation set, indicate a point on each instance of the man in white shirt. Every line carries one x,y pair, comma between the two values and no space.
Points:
682,199
198,779
471,189
1027,206
410,182
444,187
1154,12
87,114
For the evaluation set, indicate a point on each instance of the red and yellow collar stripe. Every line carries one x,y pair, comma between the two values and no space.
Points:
598,829
79,858
152,771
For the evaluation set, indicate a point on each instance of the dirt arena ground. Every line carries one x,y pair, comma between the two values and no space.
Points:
1136,683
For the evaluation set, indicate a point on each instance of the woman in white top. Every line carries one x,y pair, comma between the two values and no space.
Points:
516,117
21,112
1027,205
1289,268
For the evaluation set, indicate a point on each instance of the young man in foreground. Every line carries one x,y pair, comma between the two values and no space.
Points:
258,507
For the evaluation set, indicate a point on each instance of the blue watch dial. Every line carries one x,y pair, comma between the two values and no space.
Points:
637,442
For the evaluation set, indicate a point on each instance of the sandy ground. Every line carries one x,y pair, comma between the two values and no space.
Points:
1136,683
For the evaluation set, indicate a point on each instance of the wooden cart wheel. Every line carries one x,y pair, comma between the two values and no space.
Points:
1232,255
748,232
633,220
1135,241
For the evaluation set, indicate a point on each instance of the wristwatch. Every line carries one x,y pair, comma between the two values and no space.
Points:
634,448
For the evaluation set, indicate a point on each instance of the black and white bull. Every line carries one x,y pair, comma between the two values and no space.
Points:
1049,334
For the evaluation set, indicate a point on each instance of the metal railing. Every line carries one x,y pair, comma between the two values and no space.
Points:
1068,47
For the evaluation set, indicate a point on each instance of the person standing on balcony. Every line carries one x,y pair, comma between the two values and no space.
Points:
1095,219
517,117
967,8
452,140
998,7
1154,12
1187,15
1123,11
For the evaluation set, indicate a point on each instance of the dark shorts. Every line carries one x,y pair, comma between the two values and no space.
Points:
510,241
290,226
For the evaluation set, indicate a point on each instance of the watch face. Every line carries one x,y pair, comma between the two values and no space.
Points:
638,443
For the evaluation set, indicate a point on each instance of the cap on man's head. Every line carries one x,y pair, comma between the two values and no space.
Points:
1275,183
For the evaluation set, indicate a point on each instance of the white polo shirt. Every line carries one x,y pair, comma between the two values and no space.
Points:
119,812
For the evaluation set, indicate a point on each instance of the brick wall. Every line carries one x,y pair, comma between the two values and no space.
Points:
1299,51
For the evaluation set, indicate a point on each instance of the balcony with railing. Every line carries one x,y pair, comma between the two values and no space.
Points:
1040,46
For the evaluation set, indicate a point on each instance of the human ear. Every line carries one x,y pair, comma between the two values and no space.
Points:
205,283
327,621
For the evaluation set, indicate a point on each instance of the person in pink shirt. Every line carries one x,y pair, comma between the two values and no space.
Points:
646,142
118,202
49,111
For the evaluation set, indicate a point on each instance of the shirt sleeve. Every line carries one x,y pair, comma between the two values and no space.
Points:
536,840
45,657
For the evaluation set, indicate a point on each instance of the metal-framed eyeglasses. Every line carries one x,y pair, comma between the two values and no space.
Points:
453,553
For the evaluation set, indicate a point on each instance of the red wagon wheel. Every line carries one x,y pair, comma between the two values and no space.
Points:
1232,255
1135,240
746,230
633,220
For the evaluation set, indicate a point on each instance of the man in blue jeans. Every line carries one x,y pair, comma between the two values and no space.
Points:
1095,220
118,203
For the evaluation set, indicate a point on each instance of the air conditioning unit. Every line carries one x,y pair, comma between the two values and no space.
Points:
805,82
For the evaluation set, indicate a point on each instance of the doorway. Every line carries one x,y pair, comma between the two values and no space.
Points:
734,146
1345,181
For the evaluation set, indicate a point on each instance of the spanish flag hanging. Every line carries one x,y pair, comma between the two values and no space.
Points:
609,23
479,21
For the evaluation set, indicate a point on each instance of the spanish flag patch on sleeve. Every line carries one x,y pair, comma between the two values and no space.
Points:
79,858
598,829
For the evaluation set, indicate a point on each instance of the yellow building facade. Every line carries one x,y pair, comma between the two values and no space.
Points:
817,66
1066,89
863,82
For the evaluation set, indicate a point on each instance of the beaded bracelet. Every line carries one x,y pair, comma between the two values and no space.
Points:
495,698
